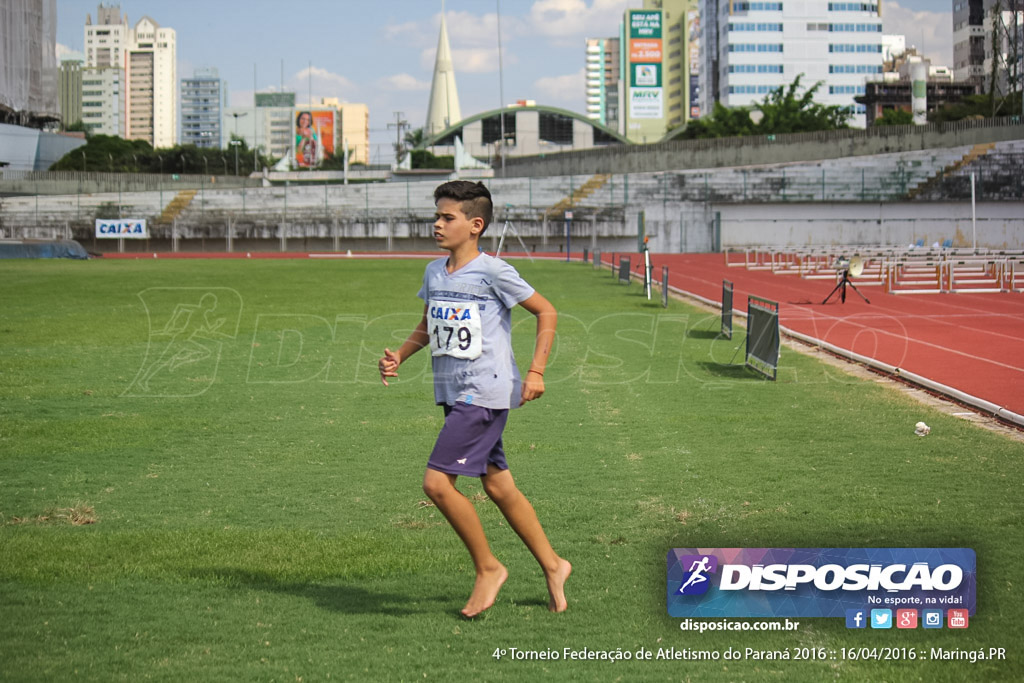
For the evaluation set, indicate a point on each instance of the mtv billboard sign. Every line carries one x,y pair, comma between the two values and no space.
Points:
816,582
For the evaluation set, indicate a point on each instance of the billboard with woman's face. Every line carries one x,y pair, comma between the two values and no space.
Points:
314,136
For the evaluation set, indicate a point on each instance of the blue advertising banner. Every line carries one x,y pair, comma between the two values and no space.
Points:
817,582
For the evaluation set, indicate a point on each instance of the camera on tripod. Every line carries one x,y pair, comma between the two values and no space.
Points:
847,268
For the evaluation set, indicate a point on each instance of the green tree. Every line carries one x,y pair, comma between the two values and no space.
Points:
784,110
975,107
895,117
414,138
77,127
422,158
336,161
108,153
105,153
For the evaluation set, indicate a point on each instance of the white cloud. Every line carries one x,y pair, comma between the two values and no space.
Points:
567,89
465,29
322,83
402,82
475,60
930,32
63,50
567,21
409,31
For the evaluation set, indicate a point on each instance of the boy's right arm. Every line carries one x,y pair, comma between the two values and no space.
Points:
388,365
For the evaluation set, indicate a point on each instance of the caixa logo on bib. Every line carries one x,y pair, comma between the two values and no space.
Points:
816,582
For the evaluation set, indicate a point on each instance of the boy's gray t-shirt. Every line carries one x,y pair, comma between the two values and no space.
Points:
469,321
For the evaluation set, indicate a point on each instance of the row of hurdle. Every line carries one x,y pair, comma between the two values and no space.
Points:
897,270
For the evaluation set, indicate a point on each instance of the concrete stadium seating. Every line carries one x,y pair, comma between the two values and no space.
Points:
929,175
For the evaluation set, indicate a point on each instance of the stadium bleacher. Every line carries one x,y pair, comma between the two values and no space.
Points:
368,209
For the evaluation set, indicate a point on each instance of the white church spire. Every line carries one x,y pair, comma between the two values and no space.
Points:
443,110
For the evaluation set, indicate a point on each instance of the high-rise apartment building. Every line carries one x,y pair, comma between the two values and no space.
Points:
103,100
969,37
603,80
28,62
978,27
69,90
93,95
354,127
750,48
1004,48
147,53
677,17
201,109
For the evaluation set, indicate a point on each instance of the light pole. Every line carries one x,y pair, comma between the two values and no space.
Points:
160,180
237,115
111,158
225,162
234,141
83,161
235,144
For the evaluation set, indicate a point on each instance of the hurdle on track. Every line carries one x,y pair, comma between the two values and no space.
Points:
900,270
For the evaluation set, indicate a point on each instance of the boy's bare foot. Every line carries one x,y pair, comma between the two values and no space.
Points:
485,591
556,586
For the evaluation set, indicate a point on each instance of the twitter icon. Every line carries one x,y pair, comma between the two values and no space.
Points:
881,618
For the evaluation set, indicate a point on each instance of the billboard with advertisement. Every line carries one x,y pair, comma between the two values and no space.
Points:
645,112
645,49
646,103
122,228
314,136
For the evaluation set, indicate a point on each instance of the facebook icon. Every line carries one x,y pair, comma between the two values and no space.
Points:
856,618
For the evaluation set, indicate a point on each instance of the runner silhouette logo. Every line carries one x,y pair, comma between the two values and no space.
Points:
696,580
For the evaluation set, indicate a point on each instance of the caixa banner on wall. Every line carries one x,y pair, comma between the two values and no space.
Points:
816,582
122,228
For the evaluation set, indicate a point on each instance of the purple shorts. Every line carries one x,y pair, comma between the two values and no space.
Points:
469,440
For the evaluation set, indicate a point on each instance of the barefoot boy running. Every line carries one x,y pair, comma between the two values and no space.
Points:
467,324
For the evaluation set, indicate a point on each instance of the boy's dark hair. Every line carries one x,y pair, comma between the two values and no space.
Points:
475,199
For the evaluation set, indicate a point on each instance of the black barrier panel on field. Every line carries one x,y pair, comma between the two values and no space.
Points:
624,270
597,259
664,286
763,336
726,309
586,255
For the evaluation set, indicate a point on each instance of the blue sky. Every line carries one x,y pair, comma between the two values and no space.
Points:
382,52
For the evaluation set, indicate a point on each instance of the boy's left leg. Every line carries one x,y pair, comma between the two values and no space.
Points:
460,513
521,516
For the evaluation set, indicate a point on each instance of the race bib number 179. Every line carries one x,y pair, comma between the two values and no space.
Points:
455,329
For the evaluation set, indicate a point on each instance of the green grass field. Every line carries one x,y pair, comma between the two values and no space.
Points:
244,502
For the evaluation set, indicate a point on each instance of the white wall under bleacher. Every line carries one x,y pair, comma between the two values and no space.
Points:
998,225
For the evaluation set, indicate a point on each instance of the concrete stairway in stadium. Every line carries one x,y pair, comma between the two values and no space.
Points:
582,192
976,152
175,207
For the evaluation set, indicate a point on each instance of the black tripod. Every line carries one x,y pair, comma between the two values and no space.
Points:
841,288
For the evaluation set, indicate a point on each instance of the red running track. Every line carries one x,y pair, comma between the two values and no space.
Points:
971,342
